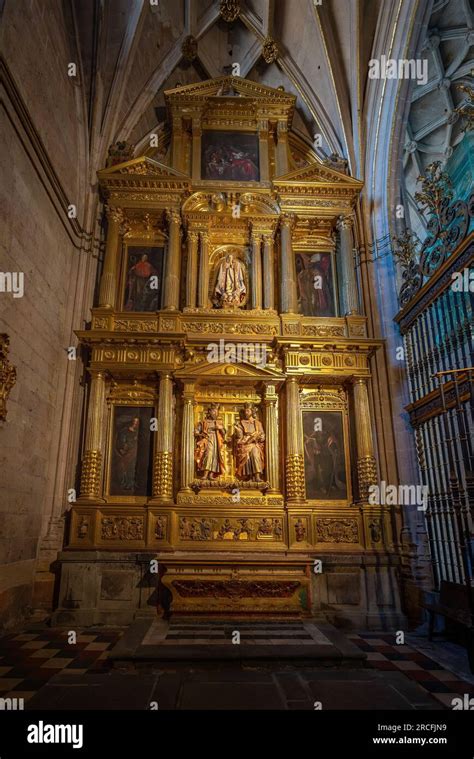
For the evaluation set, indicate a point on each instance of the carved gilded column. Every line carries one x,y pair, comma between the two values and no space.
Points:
256,270
268,272
191,278
91,468
176,142
295,482
108,282
263,149
366,464
288,267
271,437
282,149
204,271
173,261
350,304
187,440
196,159
163,463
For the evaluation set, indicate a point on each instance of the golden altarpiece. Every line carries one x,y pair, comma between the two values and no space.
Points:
228,439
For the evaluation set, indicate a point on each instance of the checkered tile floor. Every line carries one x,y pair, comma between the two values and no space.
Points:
29,660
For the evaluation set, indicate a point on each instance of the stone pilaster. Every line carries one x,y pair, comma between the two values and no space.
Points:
173,262
350,304
191,278
294,464
203,294
163,462
288,267
91,468
268,272
108,282
366,464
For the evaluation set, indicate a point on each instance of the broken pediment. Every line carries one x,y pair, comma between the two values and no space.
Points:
142,167
317,174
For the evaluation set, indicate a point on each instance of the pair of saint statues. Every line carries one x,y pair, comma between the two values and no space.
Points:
248,440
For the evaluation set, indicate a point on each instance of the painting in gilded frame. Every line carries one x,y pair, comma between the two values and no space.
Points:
131,451
230,156
143,278
324,456
315,284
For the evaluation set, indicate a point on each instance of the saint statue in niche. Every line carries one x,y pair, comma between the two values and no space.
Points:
249,450
230,287
209,450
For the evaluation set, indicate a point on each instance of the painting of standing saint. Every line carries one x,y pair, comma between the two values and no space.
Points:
130,455
230,156
324,457
314,276
144,276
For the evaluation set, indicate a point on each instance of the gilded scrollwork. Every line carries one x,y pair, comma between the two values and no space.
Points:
7,375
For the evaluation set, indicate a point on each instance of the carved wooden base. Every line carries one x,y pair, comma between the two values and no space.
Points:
252,587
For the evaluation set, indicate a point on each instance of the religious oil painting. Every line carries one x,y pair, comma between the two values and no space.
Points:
230,156
315,284
130,455
143,279
324,456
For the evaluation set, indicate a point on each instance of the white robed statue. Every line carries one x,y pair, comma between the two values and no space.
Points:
230,286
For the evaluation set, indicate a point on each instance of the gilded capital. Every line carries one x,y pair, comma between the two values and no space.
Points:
115,215
345,222
173,216
288,220
193,235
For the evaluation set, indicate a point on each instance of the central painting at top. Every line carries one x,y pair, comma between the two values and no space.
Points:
230,156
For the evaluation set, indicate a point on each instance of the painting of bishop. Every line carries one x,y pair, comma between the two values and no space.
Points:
249,449
209,449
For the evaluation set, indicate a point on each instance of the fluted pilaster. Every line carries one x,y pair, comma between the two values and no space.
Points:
91,469
173,261
256,270
295,481
203,295
163,462
108,282
288,267
350,300
268,272
192,272
366,464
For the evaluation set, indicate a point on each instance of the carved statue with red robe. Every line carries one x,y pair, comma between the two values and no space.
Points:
209,450
249,449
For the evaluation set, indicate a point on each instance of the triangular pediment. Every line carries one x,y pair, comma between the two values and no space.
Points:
231,371
142,167
224,86
317,174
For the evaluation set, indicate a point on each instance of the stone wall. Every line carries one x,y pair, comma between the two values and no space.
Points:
43,169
